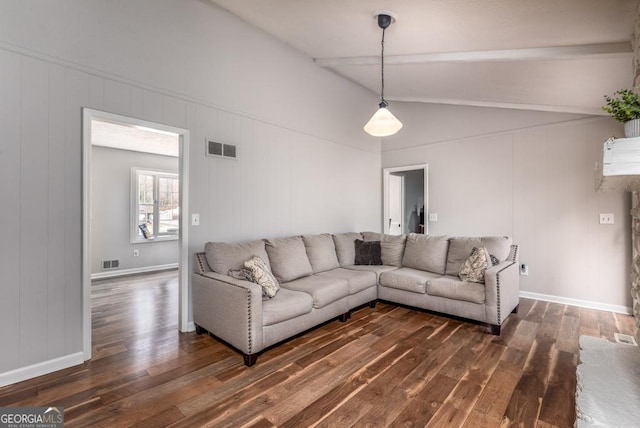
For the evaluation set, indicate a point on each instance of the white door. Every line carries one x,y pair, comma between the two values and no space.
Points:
396,204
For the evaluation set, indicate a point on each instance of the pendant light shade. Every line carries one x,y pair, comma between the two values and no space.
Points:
383,123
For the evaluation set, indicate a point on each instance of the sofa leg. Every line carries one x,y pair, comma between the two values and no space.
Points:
344,317
250,359
495,329
515,310
199,330
372,304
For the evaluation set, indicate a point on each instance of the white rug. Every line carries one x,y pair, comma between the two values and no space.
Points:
608,388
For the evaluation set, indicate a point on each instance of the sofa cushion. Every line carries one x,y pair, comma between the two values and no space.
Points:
460,248
345,247
261,275
357,280
473,269
286,305
321,252
225,256
288,258
452,287
426,252
367,252
391,246
378,270
407,279
323,290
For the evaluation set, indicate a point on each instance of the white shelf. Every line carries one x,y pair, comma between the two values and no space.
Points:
620,166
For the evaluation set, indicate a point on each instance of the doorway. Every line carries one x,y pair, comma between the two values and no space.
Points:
405,201
90,119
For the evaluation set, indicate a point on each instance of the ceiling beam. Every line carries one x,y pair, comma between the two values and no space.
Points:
502,104
601,50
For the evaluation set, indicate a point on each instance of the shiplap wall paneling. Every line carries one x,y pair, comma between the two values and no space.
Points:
34,203
118,98
77,97
530,211
57,165
552,212
10,185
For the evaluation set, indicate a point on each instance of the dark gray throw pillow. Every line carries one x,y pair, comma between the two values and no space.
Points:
368,252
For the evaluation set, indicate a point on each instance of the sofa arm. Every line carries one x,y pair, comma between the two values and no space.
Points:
502,287
230,309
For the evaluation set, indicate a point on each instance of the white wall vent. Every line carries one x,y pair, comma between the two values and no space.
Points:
221,150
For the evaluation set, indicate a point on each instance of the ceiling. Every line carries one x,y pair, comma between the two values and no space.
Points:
548,55
134,138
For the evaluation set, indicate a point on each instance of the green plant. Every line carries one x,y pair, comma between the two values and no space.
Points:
623,106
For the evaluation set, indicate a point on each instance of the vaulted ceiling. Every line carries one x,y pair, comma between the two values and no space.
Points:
548,55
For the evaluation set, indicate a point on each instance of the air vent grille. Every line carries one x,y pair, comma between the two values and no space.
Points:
215,149
110,264
229,151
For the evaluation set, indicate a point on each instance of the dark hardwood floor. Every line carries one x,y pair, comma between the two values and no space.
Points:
387,366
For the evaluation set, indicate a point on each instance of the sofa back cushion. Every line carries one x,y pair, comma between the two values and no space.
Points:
426,252
460,249
321,252
391,246
288,258
225,256
345,247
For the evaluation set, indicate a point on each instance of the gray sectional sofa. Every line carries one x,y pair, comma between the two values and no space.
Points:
319,281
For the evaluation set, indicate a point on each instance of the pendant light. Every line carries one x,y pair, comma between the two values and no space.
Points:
383,123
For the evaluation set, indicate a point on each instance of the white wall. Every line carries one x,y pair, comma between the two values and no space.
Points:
304,163
536,184
111,210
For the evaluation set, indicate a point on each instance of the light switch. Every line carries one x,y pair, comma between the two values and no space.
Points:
195,219
433,216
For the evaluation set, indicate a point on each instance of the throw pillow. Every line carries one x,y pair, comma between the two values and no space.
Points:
263,276
368,252
242,274
472,270
494,260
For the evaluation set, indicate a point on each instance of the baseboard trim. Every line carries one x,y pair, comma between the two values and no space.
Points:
191,326
578,302
121,272
39,369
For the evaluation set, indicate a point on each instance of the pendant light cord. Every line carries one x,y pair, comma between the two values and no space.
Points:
382,69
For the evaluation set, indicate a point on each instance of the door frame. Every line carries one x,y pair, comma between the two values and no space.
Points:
386,172
390,178
88,115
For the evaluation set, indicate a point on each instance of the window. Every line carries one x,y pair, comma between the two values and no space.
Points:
155,197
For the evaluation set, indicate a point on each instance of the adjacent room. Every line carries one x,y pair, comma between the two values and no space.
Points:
364,213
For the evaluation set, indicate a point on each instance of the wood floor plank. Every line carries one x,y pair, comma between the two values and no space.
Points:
426,403
557,405
386,366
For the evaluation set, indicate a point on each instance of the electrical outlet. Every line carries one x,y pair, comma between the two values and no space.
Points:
606,218
136,253
524,269
433,216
